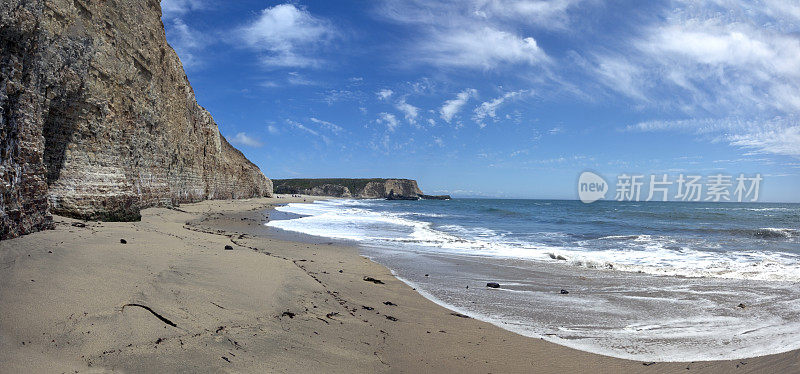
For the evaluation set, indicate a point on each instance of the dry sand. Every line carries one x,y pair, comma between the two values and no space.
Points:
267,305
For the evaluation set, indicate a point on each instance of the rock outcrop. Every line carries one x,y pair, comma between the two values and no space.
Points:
435,197
376,188
331,190
99,120
390,187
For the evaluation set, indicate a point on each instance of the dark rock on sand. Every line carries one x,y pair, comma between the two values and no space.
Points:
373,280
123,241
493,285
564,292
228,248
78,224
389,303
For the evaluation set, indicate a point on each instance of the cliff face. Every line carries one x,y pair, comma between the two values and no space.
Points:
400,187
99,120
359,188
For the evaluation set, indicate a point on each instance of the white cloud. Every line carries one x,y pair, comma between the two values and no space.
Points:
409,111
451,107
172,8
771,139
489,108
302,127
477,33
385,94
699,126
296,79
712,57
778,136
273,129
333,96
186,42
389,120
545,13
283,31
246,140
731,66
621,75
327,125
485,47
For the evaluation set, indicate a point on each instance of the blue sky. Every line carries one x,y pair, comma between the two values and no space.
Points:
503,98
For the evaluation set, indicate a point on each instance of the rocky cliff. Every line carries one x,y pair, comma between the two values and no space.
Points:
99,120
341,187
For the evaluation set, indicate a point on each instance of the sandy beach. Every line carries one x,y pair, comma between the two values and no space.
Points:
165,295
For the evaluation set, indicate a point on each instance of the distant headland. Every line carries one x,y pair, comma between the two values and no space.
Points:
360,188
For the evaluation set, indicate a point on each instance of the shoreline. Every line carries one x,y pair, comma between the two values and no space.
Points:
267,305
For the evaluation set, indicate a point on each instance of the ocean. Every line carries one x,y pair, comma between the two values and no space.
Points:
652,281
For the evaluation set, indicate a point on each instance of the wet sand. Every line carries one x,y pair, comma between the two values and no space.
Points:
173,299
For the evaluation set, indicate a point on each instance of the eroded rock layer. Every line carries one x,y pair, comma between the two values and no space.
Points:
99,119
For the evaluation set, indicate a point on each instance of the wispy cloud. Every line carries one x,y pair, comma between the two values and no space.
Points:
389,120
489,108
779,140
544,13
302,127
172,8
187,42
285,34
477,33
720,57
409,111
451,107
778,135
296,79
385,94
245,140
485,47
327,125
731,66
